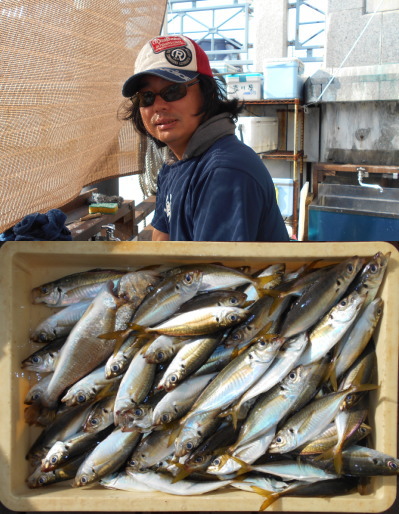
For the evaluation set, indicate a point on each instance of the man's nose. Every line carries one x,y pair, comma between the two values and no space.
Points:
160,103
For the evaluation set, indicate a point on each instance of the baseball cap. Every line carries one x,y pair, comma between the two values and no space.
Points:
176,58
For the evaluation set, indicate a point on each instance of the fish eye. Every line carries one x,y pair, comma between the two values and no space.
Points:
165,418
216,461
94,421
42,479
115,368
292,375
233,317
199,459
138,412
279,439
233,300
160,356
132,463
373,268
44,290
392,464
81,398
262,342
188,278
42,337
35,359
189,446
84,479
173,378
54,459
350,268
343,303
36,396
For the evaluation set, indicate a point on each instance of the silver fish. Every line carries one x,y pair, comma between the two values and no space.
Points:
89,387
83,350
74,288
187,360
237,377
167,297
134,387
201,321
108,456
60,323
43,360
176,403
320,297
332,327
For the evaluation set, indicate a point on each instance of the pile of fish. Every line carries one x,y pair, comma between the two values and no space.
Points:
191,378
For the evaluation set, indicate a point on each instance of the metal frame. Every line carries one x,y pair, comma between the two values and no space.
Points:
318,26
186,14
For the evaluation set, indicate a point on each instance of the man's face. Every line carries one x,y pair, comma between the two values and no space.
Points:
173,123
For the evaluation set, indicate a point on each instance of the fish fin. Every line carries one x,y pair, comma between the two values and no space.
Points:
337,460
263,282
234,416
184,472
271,498
245,467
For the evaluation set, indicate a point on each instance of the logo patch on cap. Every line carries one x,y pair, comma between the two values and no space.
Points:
160,44
179,56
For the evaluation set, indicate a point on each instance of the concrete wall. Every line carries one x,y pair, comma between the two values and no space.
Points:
270,27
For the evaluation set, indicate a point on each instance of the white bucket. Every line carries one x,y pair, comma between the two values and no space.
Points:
258,132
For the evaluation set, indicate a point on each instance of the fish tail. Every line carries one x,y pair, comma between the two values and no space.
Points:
270,498
337,452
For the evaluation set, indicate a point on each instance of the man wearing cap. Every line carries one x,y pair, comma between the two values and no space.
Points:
214,187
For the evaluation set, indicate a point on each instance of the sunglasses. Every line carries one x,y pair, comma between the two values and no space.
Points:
169,94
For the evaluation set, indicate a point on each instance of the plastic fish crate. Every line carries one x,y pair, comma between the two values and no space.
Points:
25,265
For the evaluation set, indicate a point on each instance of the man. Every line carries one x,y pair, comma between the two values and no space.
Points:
214,188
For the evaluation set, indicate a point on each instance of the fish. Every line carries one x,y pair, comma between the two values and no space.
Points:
83,350
371,276
74,288
166,298
310,420
217,298
151,450
120,359
256,321
60,323
100,415
164,483
218,276
107,457
188,360
75,445
44,359
356,340
200,322
332,327
39,478
361,461
284,361
237,377
177,402
89,387
134,386
320,296
163,348
271,407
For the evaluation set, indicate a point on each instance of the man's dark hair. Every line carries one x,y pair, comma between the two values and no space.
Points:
215,102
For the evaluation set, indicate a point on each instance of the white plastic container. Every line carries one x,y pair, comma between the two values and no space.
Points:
283,79
244,86
258,132
285,195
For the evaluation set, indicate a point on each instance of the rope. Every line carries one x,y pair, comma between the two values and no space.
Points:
347,55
